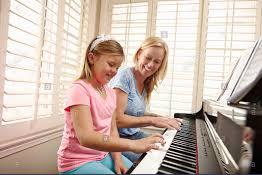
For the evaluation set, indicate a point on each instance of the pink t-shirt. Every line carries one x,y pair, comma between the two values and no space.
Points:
71,154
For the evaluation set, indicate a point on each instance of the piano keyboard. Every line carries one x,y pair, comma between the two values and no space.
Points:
181,155
188,151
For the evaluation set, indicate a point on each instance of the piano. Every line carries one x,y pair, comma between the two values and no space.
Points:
199,147
224,137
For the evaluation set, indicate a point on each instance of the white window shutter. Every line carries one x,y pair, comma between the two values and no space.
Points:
85,27
177,23
48,72
43,56
179,29
231,29
22,59
129,25
71,48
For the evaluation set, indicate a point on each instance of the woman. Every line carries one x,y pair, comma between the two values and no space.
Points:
133,87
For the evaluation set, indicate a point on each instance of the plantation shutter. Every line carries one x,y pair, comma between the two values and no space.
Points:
44,50
23,59
177,23
231,30
71,48
129,26
47,86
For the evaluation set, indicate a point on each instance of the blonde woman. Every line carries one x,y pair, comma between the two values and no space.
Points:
133,87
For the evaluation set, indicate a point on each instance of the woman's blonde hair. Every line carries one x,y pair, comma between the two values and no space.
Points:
152,81
103,47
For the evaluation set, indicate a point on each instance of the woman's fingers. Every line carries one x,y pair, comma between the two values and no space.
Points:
180,120
165,122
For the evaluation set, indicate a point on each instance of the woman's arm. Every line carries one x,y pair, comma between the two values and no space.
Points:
152,114
83,125
127,121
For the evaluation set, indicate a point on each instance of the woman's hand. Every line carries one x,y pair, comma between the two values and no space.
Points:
148,143
166,122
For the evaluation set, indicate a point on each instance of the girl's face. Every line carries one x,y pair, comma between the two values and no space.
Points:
105,67
149,60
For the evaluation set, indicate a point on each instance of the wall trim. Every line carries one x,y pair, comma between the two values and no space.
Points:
18,145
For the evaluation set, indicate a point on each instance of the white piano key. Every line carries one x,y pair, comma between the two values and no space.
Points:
153,159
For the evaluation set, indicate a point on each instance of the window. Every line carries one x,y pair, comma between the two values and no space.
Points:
177,22
231,29
129,25
205,39
172,21
22,70
71,48
42,43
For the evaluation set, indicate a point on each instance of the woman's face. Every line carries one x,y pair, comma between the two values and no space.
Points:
149,60
105,67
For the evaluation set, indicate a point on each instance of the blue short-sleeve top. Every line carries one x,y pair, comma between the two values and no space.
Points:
136,106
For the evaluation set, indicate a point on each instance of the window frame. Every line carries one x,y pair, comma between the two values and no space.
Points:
25,133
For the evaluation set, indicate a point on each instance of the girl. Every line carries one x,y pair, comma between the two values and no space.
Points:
133,87
90,127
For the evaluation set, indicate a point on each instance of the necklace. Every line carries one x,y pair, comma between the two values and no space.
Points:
101,90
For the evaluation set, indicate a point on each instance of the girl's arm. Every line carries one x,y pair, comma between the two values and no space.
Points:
119,165
128,121
88,137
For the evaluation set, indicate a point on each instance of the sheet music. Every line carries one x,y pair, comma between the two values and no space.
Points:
236,73
251,75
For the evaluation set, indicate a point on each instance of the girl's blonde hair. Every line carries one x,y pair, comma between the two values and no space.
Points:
106,47
160,74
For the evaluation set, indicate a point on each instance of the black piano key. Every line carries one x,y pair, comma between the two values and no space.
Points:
183,139
190,151
181,162
191,160
174,170
186,134
179,165
184,144
164,172
182,151
181,154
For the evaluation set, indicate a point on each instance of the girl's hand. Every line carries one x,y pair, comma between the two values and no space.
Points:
119,166
148,143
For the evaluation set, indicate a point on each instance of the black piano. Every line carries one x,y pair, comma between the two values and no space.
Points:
223,137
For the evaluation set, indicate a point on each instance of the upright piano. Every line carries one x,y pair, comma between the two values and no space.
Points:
224,137
207,144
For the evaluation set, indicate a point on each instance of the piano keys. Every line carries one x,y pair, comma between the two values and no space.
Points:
184,148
